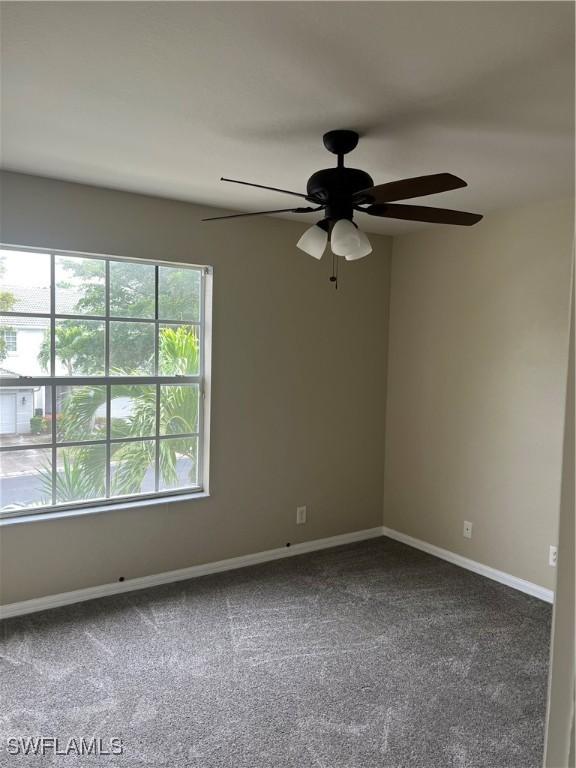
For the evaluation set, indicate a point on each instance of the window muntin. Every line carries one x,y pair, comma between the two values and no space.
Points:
114,381
11,340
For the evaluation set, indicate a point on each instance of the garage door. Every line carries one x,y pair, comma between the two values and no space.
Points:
7,413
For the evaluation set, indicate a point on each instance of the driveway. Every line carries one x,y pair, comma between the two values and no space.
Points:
28,439
16,463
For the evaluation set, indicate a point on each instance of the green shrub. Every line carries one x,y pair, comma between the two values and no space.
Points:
37,425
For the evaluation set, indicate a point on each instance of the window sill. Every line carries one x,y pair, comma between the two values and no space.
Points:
34,517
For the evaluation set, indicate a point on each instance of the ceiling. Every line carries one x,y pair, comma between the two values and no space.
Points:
164,98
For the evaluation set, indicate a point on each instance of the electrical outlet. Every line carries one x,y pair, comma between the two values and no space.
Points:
300,515
553,556
467,532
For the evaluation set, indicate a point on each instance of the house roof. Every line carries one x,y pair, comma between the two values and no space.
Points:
9,321
36,298
7,374
33,298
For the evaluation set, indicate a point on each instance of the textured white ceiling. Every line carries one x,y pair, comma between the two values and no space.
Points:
164,98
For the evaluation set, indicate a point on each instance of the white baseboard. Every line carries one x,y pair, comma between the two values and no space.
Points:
472,565
90,593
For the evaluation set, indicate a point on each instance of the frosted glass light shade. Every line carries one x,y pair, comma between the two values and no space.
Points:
313,241
348,241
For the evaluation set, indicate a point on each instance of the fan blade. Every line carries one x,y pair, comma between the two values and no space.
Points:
423,213
407,188
261,213
273,189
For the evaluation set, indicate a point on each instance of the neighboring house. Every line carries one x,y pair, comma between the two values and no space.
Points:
18,405
23,337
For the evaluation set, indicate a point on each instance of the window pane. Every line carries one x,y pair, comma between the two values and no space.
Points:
132,289
131,349
79,347
178,294
25,279
10,340
132,468
152,329
80,413
80,286
133,409
81,473
178,409
178,463
25,416
29,340
179,353
26,478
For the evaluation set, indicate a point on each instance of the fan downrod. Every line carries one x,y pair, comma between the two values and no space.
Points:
340,142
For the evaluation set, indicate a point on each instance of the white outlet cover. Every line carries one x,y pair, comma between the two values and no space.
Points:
301,515
467,532
553,556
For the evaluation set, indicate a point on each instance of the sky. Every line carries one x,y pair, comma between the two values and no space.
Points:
25,268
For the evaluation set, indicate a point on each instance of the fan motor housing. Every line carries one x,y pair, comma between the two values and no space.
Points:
335,187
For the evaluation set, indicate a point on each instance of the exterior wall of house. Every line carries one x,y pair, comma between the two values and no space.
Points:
24,360
17,408
18,404
24,410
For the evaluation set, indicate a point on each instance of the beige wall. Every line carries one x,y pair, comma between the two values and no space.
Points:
477,362
560,726
477,372
297,397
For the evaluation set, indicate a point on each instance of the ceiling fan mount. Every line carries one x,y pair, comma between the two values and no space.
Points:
340,142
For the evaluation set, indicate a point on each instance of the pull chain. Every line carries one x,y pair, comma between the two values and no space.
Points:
334,275
337,268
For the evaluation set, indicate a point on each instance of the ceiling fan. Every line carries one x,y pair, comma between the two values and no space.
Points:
340,192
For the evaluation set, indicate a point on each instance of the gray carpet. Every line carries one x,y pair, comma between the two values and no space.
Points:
372,654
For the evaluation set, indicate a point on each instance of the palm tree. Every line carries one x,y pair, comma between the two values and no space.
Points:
79,347
82,474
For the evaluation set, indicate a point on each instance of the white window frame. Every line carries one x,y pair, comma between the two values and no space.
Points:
202,379
11,334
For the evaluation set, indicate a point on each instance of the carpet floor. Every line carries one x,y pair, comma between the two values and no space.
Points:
371,655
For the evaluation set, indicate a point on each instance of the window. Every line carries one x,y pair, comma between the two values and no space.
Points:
10,340
104,399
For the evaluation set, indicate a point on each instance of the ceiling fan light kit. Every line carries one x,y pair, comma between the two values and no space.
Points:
340,192
313,241
348,241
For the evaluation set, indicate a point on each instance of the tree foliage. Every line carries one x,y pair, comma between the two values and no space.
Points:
131,461
79,347
79,342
